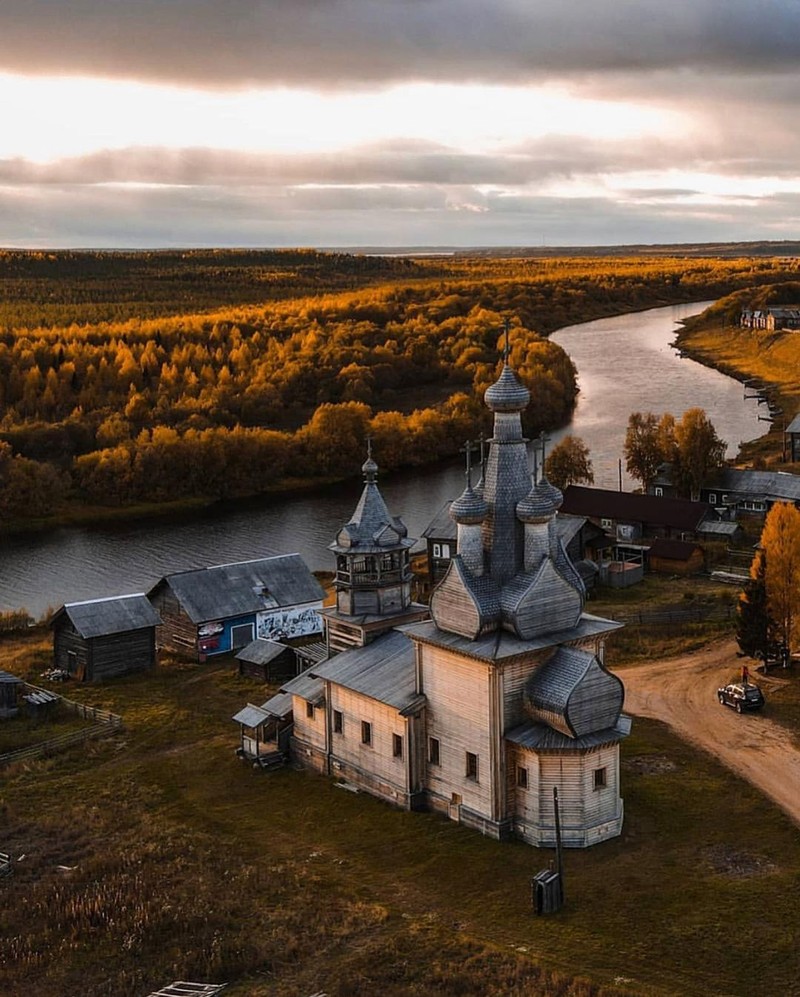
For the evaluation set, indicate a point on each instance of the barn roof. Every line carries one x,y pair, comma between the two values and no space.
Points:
227,590
771,485
6,678
541,738
794,425
603,503
719,528
383,670
117,614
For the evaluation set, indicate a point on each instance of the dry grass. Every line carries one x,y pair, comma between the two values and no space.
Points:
188,864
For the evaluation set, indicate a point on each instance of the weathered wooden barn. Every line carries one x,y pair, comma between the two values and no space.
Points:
219,609
103,638
676,557
267,660
481,710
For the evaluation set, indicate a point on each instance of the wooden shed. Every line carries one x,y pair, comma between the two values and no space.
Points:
104,638
676,557
267,660
9,688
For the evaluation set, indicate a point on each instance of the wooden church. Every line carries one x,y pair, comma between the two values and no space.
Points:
500,695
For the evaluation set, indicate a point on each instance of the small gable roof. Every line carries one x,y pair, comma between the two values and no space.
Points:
244,587
101,617
261,652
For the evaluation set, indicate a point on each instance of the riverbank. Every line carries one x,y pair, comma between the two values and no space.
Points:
770,358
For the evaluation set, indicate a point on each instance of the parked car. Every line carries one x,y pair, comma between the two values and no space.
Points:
741,696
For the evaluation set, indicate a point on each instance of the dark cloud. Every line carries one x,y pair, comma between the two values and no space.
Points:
331,43
98,216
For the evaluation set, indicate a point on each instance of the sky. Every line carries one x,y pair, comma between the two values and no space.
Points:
152,123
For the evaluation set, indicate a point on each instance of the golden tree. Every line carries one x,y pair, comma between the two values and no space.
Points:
780,539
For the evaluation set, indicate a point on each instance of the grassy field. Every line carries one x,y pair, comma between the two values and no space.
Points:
182,862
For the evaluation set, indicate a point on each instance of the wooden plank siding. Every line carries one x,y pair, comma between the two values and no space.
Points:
96,659
460,715
70,650
178,633
370,765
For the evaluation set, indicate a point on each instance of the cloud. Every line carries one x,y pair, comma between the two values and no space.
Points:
334,43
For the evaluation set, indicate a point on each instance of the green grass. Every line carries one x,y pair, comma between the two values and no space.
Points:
189,864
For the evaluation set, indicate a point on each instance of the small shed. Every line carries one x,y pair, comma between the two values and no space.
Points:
9,688
267,660
676,557
105,638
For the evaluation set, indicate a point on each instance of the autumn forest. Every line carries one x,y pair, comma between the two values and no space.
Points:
138,378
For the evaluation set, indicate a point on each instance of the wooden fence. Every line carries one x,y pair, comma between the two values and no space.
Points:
697,614
104,724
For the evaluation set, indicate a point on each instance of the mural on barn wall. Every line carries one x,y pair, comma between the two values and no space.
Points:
288,623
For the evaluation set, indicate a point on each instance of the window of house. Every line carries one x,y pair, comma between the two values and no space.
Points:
397,746
310,711
522,777
338,722
472,766
445,550
437,550
658,490
433,751
712,498
366,732
606,524
600,778
725,498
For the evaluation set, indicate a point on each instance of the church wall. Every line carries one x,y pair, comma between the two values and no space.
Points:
309,735
458,715
372,765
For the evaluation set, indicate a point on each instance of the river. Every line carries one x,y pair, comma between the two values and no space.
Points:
624,364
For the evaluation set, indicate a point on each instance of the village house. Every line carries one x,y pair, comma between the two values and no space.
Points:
104,638
776,317
501,696
220,609
736,493
629,516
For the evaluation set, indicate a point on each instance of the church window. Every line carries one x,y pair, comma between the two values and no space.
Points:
397,746
434,756
522,777
366,732
472,766
600,778
310,711
338,722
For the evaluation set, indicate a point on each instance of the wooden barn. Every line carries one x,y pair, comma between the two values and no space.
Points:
223,608
676,557
104,638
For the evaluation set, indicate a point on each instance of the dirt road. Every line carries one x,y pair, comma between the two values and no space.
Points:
682,693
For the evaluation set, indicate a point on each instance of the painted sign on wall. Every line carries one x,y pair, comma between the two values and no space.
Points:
287,623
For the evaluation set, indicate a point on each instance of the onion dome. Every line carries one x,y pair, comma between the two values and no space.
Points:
540,504
469,509
370,469
507,394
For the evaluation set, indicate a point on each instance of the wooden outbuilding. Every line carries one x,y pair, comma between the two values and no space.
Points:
676,557
223,608
105,638
10,686
267,660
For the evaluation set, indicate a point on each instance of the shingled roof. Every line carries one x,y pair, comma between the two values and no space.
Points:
228,590
101,617
602,503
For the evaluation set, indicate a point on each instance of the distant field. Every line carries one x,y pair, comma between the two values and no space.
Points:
185,863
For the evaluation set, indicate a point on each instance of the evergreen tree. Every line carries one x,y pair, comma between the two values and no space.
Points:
756,630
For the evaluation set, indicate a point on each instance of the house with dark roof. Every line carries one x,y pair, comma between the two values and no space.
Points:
219,609
104,638
739,493
676,557
629,516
